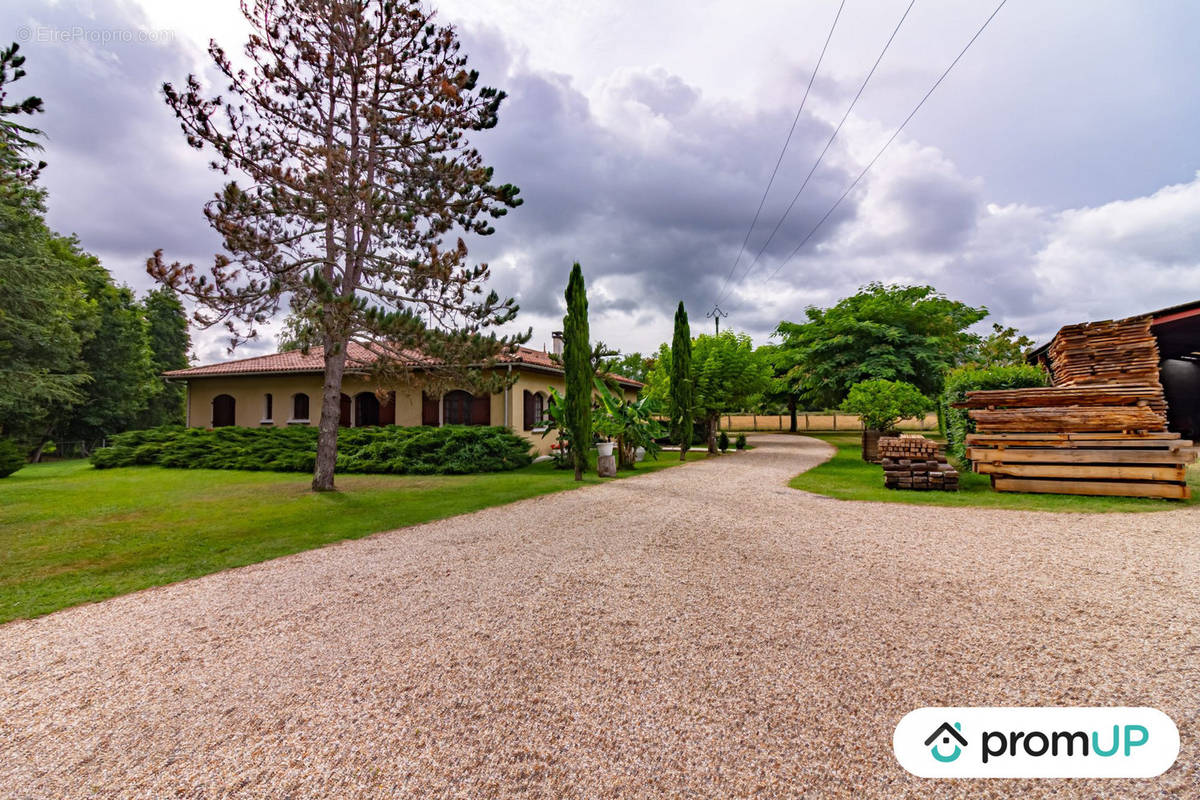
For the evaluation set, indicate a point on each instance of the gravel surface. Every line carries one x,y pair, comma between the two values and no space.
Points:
700,632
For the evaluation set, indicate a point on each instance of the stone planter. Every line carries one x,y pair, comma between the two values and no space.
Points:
605,448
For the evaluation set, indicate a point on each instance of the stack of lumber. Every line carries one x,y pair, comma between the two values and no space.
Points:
1100,430
1062,409
1109,354
914,462
1116,464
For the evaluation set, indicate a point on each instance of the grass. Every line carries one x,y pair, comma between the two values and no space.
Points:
72,534
847,477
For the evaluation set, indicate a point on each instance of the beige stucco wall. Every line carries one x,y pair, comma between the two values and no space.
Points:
249,393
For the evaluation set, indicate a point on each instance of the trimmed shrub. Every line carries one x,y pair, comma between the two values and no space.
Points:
723,442
740,442
11,458
955,421
450,450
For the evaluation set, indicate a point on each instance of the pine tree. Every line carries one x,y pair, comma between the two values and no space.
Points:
682,399
577,363
351,129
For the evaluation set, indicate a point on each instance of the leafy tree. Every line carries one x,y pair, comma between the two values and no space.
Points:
577,364
682,406
881,404
116,356
907,333
727,373
1003,347
167,333
784,386
351,130
41,303
634,366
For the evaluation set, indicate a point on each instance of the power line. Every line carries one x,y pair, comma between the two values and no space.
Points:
786,142
828,144
886,144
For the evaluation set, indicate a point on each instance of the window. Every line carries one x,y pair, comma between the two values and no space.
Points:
539,409
535,410
457,408
268,410
300,408
224,411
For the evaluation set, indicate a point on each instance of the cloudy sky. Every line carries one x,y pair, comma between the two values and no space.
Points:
1052,177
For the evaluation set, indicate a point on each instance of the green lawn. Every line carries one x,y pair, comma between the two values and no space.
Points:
72,534
847,477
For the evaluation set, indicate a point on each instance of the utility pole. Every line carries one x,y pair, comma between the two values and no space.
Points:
715,315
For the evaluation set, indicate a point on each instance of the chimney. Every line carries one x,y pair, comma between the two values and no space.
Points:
557,336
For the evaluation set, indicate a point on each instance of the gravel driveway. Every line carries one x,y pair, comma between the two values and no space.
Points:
703,631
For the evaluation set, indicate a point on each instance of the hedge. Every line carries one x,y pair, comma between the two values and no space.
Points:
969,379
449,450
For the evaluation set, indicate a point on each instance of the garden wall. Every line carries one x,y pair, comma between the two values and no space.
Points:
814,421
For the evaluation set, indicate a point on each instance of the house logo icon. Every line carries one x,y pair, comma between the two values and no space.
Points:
946,732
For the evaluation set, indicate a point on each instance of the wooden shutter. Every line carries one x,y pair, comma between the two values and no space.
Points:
530,412
429,410
344,406
481,409
387,411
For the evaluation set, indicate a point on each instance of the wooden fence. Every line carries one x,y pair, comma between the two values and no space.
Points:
813,422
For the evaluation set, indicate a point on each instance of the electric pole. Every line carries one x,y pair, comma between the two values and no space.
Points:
715,315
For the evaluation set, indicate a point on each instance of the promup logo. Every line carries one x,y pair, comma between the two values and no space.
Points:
946,732
1036,742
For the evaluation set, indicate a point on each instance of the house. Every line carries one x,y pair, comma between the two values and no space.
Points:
285,389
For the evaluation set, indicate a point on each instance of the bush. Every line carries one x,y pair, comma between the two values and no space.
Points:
723,442
881,404
955,421
450,450
11,458
740,441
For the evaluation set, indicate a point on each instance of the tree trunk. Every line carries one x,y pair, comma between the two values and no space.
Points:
792,411
712,433
331,412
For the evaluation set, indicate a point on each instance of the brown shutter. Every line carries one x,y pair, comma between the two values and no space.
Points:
429,410
387,410
344,413
481,409
529,410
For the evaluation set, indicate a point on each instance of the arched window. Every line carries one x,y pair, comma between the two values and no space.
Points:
456,408
268,409
535,410
300,407
366,409
224,411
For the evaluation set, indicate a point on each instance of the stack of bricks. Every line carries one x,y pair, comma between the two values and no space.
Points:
914,462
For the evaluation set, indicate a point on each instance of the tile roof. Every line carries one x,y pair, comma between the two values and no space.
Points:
358,356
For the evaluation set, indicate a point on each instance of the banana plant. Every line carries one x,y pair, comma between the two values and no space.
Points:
632,424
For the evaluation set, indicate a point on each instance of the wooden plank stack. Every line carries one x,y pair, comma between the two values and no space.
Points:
914,462
1121,353
1100,430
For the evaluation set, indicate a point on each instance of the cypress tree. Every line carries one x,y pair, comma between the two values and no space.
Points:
577,363
683,400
